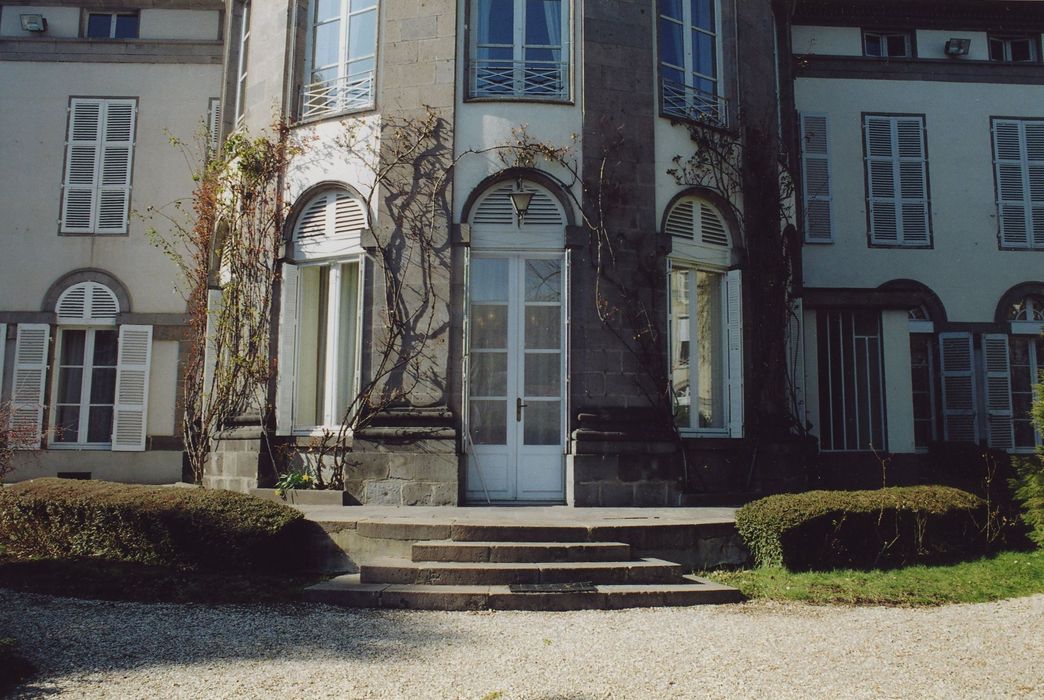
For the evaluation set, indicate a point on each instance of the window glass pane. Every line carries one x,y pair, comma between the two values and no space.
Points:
709,374
496,21
72,347
67,424
543,423
544,22
703,54
543,327
488,422
1021,50
497,53
344,384
99,424
489,280
70,381
103,385
327,42
672,48
996,50
358,5
543,280
488,374
105,348
326,10
126,26
872,44
897,45
488,326
362,35
543,374
680,345
674,75
99,26
703,14
311,346
359,70
671,8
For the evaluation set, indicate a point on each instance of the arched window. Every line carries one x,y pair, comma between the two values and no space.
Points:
320,314
705,320
90,303
1029,310
496,223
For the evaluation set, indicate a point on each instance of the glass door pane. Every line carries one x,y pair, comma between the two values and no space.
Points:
488,355
542,349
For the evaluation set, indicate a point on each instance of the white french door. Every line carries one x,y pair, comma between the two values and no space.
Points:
516,378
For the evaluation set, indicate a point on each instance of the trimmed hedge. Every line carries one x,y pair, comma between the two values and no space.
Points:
821,530
190,528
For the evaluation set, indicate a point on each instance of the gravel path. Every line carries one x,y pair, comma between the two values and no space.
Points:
124,650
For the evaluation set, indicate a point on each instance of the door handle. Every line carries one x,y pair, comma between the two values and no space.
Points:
518,409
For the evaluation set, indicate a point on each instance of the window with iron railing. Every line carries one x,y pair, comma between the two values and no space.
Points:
520,49
341,63
689,82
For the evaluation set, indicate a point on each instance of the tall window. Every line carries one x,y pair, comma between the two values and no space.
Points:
520,49
86,386
1027,363
341,57
689,80
319,320
1018,159
897,181
98,157
922,375
851,381
706,360
241,70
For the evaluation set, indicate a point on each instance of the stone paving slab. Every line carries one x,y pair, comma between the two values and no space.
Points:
551,516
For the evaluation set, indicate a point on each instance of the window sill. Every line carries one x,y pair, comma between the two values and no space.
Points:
72,446
332,115
514,99
901,246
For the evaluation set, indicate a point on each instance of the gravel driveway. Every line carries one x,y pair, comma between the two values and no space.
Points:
124,650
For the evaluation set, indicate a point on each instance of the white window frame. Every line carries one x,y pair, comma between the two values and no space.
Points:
883,38
1006,43
85,389
112,24
519,70
687,101
102,147
1031,216
897,201
331,416
343,93
241,63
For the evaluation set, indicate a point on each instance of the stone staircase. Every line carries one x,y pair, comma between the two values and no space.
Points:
501,572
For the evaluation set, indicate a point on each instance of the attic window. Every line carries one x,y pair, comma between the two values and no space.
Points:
112,25
886,44
1013,49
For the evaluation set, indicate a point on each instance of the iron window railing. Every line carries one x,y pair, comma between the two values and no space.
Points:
691,104
530,79
350,92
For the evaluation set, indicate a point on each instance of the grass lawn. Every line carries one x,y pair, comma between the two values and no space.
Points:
117,580
1006,575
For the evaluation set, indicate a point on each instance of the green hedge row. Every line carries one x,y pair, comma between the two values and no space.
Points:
864,529
161,525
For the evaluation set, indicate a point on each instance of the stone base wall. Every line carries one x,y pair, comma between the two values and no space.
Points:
233,463
617,474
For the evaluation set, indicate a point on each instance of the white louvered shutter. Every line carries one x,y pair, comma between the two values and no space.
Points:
214,124
997,374
82,152
734,312
32,346
1018,159
815,153
958,387
897,181
130,414
287,368
116,158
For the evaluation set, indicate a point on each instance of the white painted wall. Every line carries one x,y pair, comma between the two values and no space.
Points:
172,100
163,383
931,43
197,25
62,22
965,268
826,41
898,382
325,158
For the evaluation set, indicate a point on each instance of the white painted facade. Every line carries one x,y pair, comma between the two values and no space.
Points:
171,98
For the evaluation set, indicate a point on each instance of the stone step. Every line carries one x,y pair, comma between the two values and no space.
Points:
448,550
402,571
349,591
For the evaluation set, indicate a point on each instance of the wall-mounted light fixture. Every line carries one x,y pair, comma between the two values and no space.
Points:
33,23
957,47
520,200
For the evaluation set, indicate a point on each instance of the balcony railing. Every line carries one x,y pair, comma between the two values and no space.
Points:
337,95
688,103
542,80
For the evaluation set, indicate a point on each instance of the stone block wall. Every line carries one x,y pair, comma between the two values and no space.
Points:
233,464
